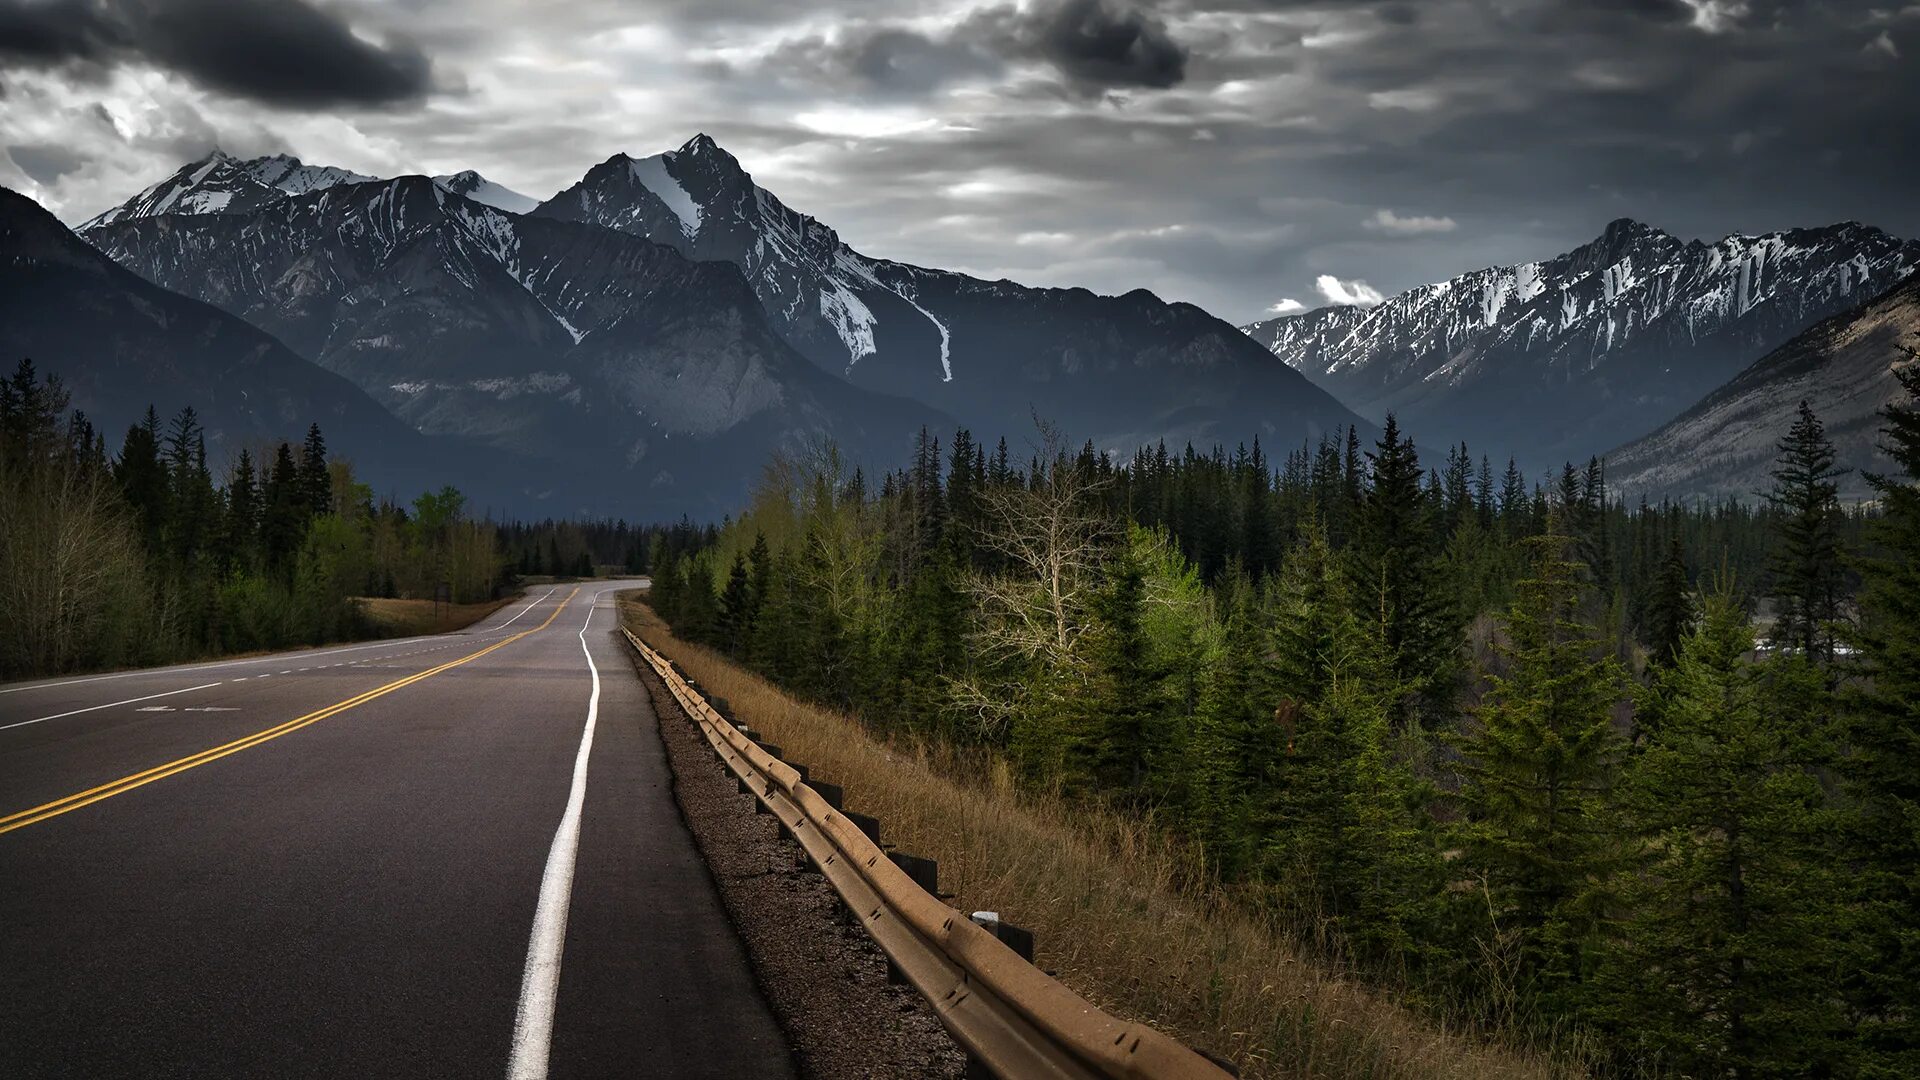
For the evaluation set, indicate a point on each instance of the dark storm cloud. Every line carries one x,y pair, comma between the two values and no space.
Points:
1094,45
284,53
44,163
1100,45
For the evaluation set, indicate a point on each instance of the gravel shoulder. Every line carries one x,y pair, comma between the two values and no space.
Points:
826,979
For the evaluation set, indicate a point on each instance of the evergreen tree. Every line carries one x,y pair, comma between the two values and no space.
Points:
737,610
243,514
143,479
316,485
1724,960
283,517
1349,839
1670,611
1537,769
1125,699
1806,565
1394,551
1882,770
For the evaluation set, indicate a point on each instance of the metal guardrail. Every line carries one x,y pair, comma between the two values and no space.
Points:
1009,1016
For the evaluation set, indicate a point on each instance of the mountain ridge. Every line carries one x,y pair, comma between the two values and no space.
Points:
1565,357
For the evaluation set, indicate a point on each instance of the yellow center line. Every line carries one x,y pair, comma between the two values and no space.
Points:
78,799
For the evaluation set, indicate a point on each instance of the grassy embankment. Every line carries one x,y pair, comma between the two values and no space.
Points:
412,618
1112,901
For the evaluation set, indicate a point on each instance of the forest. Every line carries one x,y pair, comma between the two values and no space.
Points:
153,555
1638,783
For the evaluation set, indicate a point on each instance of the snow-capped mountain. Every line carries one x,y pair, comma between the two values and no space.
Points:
1564,358
1725,445
222,184
482,190
219,184
640,371
1120,370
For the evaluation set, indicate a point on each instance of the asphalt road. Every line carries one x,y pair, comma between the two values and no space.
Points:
453,856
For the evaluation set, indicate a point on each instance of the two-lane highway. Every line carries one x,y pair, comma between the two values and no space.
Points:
446,856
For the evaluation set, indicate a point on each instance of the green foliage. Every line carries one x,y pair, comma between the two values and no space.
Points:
146,558
1881,771
1723,958
1808,574
1390,707
1537,768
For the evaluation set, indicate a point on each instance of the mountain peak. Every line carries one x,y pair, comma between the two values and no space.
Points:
701,143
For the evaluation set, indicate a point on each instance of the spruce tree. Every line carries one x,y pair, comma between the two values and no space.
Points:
1125,698
1395,580
143,480
1670,610
283,515
1536,772
316,485
1348,838
736,614
1881,772
1723,962
1806,564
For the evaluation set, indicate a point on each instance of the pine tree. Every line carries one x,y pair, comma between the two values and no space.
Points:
1806,564
1537,769
1882,770
1394,551
1125,700
737,610
1670,610
1723,962
282,518
316,484
1348,839
143,479
243,514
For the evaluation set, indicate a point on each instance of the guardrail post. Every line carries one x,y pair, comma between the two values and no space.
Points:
866,823
832,793
1018,939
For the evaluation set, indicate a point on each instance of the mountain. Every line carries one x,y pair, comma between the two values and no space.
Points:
219,184
1121,370
121,344
482,190
1842,368
635,377
1557,360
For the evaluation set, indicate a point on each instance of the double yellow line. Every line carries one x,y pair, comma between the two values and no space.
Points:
78,799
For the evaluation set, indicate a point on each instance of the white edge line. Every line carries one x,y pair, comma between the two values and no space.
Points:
540,985
108,705
276,658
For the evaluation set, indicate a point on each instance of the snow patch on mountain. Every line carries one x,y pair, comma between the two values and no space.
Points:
653,175
851,319
482,190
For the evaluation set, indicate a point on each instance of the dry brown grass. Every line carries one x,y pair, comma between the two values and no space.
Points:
1109,899
411,618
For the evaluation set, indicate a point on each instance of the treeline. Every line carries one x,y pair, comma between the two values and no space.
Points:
1510,748
582,548
147,556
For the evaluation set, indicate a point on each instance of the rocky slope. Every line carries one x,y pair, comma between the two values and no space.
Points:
1563,358
1725,445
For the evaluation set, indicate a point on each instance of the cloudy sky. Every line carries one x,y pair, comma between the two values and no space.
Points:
1245,155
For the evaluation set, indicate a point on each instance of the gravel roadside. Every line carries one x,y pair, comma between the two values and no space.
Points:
826,980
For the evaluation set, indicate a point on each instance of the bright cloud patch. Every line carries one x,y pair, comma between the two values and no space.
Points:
1386,221
1286,307
1355,293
